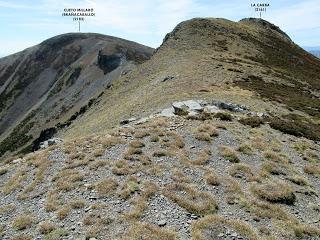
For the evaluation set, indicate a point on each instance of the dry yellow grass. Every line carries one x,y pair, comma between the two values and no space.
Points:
136,144
141,202
203,157
129,187
241,169
106,187
275,192
63,212
212,178
210,226
77,204
245,149
138,231
194,201
141,133
3,170
299,180
95,165
179,177
21,237
22,222
229,154
15,180
273,156
46,227
273,168
121,167
312,169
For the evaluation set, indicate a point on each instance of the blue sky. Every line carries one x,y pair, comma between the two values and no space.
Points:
25,23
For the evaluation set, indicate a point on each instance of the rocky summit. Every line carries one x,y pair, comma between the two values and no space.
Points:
214,135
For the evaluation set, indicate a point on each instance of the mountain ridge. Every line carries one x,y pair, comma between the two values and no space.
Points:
60,74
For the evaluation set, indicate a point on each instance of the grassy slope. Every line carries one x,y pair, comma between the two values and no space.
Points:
257,182
205,56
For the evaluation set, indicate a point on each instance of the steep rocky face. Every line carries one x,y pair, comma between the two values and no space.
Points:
48,83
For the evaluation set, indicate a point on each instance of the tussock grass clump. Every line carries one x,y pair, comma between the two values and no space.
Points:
208,128
203,157
193,200
258,143
3,170
63,212
212,178
141,203
21,237
210,227
270,155
311,156
56,234
131,153
304,230
65,180
273,168
205,132
202,136
177,142
245,149
154,138
52,203
106,187
312,169
141,133
180,177
98,152
46,227
253,122
97,164
136,144
261,209
14,182
121,167
23,222
139,231
110,141
299,180
223,116
130,186
77,204
232,186
275,192
241,170
161,153
229,154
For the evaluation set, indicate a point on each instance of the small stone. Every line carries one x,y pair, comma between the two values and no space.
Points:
16,161
194,216
161,223
234,234
220,235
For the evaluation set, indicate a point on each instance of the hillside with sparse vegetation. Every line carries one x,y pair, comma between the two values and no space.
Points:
215,137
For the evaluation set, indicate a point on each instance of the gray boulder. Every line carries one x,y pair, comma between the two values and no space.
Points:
187,107
230,106
50,142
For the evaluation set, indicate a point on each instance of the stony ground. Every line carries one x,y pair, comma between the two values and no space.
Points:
167,178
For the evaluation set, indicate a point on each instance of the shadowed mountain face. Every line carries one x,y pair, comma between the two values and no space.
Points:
46,84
